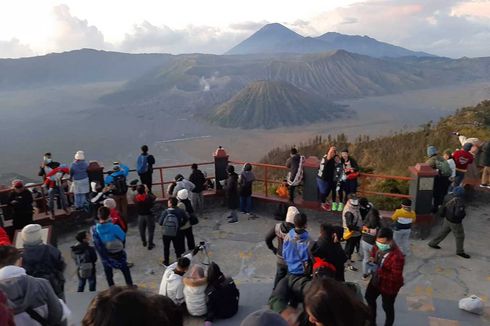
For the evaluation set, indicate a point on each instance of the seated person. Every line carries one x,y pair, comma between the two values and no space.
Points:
172,284
195,291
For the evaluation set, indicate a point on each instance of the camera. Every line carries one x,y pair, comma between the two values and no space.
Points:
202,245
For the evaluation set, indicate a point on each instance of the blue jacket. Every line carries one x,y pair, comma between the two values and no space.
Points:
123,171
110,232
295,251
78,170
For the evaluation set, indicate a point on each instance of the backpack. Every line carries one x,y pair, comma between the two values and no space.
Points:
120,186
230,295
142,164
443,167
170,225
85,267
455,210
295,252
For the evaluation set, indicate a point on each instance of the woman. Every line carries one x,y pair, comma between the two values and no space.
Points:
222,295
338,185
245,182
351,170
325,178
79,175
186,229
372,223
195,291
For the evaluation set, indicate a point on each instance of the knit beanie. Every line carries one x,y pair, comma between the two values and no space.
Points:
264,317
182,194
292,212
32,234
110,203
431,151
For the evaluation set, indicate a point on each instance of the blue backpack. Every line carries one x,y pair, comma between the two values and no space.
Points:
142,164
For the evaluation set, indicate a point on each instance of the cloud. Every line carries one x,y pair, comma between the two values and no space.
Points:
248,25
14,49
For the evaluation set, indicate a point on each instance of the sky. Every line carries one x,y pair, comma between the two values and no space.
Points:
443,27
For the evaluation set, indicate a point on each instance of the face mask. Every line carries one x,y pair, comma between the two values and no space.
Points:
383,246
47,160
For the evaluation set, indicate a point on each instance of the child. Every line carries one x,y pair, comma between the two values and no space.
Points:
339,180
403,218
85,257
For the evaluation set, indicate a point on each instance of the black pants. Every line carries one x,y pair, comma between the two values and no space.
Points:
350,245
189,237
146,222
147,179
110,276
177,242
281,272
372,293
291,191
441,187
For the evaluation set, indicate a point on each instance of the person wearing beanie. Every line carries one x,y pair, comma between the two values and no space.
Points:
79,175
264,317
20,200
231,194
144,167
453,211
144,201
43,260
403,219
441,180
279,231
186,229
462,158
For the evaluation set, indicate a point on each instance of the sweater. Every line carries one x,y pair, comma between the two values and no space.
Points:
403,218
462,159
172,284
195,296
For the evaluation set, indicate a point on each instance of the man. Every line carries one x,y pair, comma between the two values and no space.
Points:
388,277
144,167
172,284
295,165
43,260
29,297
485,161
462,158
352,224
441,180
324,178
54,182
171,220
20,200
116,181
231,194
144,202
181,183
454,212
296,248
199,180
47,165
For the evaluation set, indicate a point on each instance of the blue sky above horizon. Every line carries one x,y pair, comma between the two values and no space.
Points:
33,27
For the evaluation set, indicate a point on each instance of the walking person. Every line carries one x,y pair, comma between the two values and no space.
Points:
231,194
186,229
462,158
351,170
441,180
20,199
117,183
372,223
245,184
403,218
85,258
325,178
199,180
485,161
352,223
388,276
453,211
144,201
171,220
144,167
295,165
79,175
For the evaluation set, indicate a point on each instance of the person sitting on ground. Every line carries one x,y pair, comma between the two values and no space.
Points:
245,184
116,218
222,295
172,284
117,184
182,183
144,167
171,221
144,201
28,296
199,180
372,223
85,258
404,218
231,194
351,222
462,158
264,317
109,243
195,291
186,229
43,260
20,199
79,175
167,309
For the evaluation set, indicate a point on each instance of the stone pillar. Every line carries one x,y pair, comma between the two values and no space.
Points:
310,189
421,191
220,165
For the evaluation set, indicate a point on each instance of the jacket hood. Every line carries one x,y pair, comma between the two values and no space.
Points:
16,284
286,227
248,176
301,235
195,282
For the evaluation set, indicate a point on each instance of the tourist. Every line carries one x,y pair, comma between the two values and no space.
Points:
144,167
172,284
351,222
195,291
186,229
295,165
55,187
43,260
351,170
325,178
485,161
388,277
403,219
117,183
85,258
20,199
6,313
199,181
47,165
453,211
448,156
245,185
79,175
264,317
109,242
364,207
231,194
295,249
116,218
26,293
441,180
338,191
181,183
372,223
279,231
144,201
171,220
462,158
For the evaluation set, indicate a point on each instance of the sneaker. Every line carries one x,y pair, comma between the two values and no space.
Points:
335,206
352,268
233,221
340,208
434,246
484,185
144,244
151,246
464,255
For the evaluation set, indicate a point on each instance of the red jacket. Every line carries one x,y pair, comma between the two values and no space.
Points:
462,159
4,238
6,314
117,219
51,176
390,275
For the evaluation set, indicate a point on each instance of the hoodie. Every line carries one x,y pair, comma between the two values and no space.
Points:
296,251
182,184
195,295
109,232
245,181
172,284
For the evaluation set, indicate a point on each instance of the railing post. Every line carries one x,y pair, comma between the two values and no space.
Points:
161,182
421,191
266,181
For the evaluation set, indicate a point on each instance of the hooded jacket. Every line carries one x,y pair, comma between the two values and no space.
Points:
245,181
351,219
85,250
296,251
144,203
195,295
183,184
332,253
172,284
198,179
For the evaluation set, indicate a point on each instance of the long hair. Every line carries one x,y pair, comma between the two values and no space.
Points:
215,276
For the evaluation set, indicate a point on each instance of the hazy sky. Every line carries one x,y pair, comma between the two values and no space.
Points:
444,27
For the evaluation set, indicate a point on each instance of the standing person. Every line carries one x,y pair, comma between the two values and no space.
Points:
245,184
279,231
372,223
454,211
109,242
186,229
114,214
441,180
171,220
403,217
79,175
144,167
20,199
485,161
144,201
351,222
117,182
325,178
448,156
47,165
339,185
55,187
199,181
43,260
295,165
462,158
172,284
296,248
181,183
231,194
85,258
388,277
351,170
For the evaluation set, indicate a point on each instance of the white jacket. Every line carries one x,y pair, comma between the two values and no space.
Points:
172,284
195,296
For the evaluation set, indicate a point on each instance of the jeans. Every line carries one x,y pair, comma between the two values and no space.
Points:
80,200
458,180
366,253
188,236
458,231
197,201
246,204
281,272
110,277
92,280
146,222
177,242
402,239
57,191
122,205
372,293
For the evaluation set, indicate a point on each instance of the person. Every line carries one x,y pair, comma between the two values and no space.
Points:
364,207
231,194
116,218
172,284
195,291
388,276
85,258
351,222
199,181
448,156
453,211
28,296
485,161
325,178
329,302
144,201
351,170
97,196
4,238
295,249
55,187
295,165
371,225
43,260
79,175
339,185
117,183
109,244
264,317
186,229
222,295
47,165
245,185
462,158
181,183
441,180
144,167
171,220
403,219
20,199
279,231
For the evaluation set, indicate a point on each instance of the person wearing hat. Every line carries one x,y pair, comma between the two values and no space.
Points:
403,219
79,175
186,229
144,201
454,211
20,199
43,260
462,158
181,183
231,194
352,223
441,180
117,182
264,317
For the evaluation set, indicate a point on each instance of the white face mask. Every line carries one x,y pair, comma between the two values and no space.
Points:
354,202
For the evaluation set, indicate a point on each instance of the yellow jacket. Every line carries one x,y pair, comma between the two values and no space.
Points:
403,216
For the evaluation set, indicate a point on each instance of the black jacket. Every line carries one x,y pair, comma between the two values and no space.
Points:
86,250
21,202
293,164
279,231
144,203
222,299
371,222
231,188
331,252
198,179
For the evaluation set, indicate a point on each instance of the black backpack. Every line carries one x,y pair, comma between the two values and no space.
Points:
120,186
230,296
